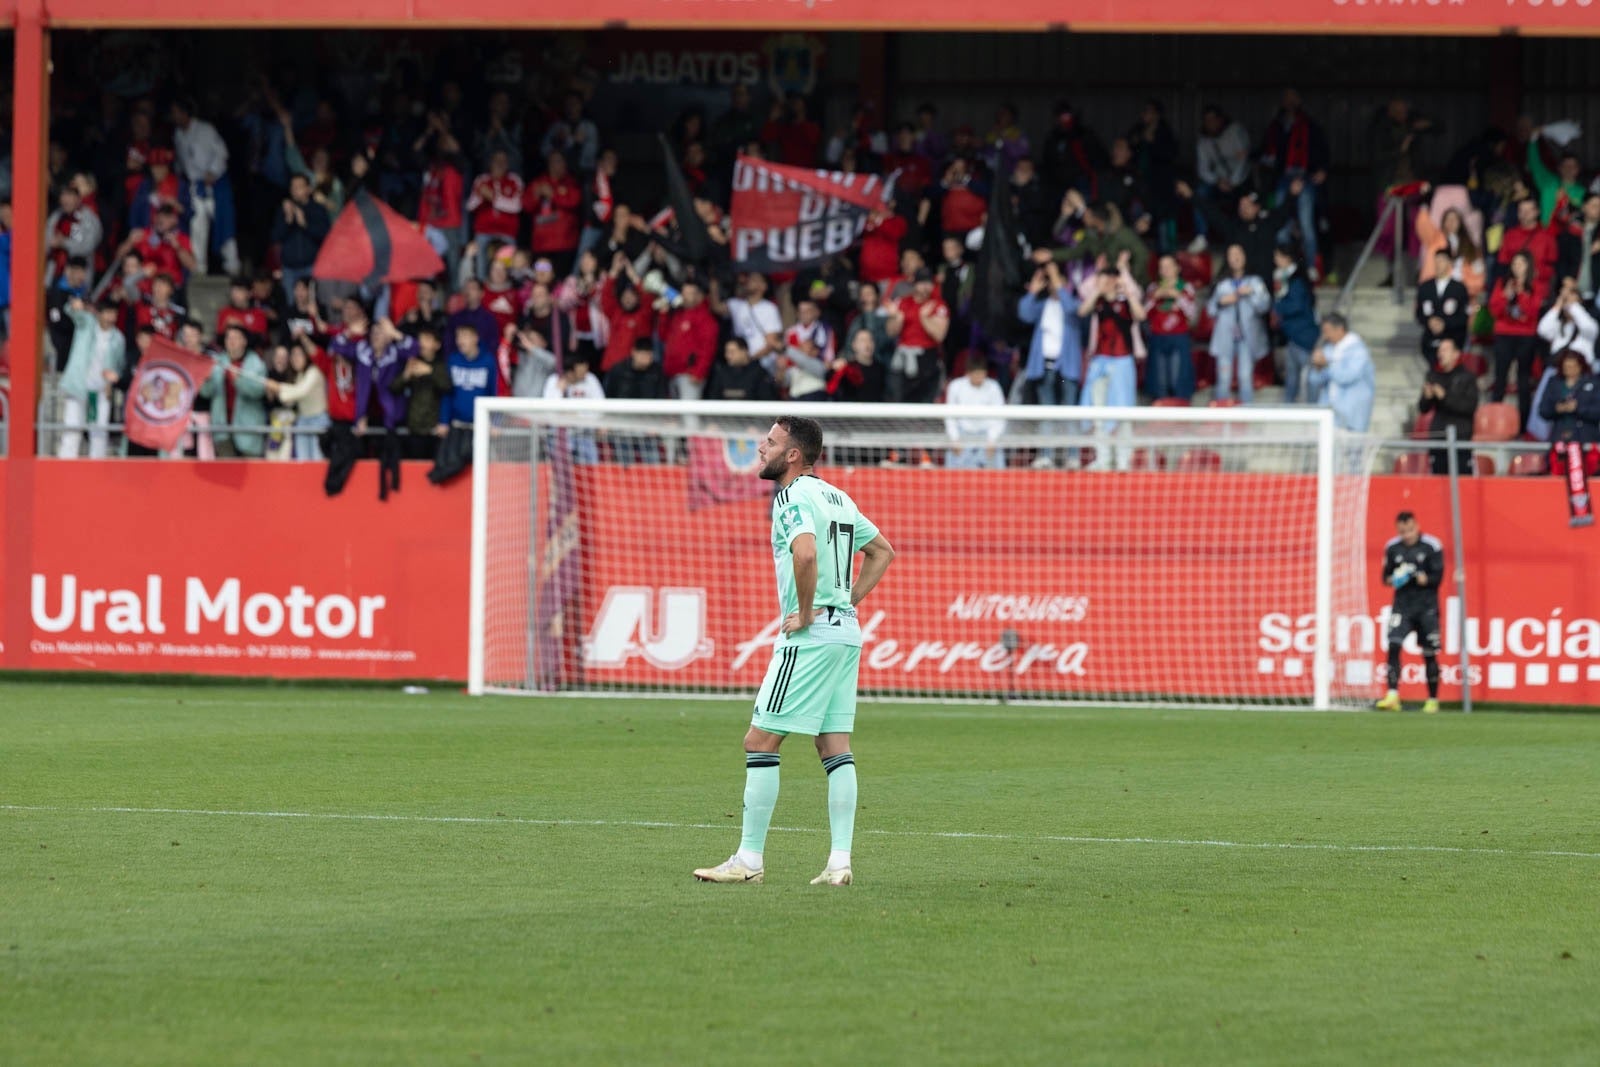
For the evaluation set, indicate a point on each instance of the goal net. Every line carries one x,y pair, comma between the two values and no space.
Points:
1152,555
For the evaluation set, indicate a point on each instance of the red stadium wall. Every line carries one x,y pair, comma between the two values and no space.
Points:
242,569
281,581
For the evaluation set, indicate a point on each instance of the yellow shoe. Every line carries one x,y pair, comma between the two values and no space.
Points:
1430,707
731,871
1390,702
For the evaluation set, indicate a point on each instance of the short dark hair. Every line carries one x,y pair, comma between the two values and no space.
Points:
1404,516
1336,319
741,343
644,344
804,434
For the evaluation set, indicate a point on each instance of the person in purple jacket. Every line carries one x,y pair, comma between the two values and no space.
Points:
377,351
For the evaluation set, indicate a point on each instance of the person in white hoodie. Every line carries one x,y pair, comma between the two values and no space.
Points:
975,440
574,382
1565,324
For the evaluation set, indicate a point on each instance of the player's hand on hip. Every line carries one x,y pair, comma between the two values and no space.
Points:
797,621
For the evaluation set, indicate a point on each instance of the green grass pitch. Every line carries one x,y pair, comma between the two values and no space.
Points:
356,876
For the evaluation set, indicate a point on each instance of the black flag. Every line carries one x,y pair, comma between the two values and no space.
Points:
694,243
999,276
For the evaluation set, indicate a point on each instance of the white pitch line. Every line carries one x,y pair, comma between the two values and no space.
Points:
1070,839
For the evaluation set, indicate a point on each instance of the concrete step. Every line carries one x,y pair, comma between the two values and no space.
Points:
207,296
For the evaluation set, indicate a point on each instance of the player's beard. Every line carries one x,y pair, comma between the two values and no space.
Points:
775,469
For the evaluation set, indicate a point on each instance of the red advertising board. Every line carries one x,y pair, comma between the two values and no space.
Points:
242,569
1097,591
248,569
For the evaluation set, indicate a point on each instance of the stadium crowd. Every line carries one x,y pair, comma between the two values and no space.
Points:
556,286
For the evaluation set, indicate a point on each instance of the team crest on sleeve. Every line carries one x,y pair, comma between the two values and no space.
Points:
789,521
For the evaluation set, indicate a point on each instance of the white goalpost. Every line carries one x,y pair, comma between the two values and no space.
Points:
1171,555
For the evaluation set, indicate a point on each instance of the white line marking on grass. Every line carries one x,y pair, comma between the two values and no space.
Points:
954,835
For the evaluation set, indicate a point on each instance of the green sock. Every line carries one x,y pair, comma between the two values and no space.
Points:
841,799
760,797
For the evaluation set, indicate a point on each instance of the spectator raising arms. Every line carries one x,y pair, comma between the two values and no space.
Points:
93,367
688,343
1114,309
1055,354
1172,306
628,316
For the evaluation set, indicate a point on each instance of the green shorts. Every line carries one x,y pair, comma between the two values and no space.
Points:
809,689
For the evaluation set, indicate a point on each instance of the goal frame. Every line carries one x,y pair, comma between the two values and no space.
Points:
486,408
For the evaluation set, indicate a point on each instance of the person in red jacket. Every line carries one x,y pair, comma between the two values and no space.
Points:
495,206
629,317
916,173
239,311
1515,306
1534,238
689,343
552,202
880,247
439,209
962,209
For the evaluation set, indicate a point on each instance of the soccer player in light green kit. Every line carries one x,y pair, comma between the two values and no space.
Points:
810,686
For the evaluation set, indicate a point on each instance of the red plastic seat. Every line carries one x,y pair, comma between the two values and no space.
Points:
1204,328
1529,463
1225,402
1483,465
1496,422
1412,463
1170,402
1475,362
1143,459
1420,429
1198,460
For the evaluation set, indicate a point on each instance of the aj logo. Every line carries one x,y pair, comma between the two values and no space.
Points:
666,627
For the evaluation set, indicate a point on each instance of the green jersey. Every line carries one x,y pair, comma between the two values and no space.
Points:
811,506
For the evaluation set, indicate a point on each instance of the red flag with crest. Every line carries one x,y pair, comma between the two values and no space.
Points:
161,397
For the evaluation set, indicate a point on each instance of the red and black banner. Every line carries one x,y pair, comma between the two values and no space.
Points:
787,218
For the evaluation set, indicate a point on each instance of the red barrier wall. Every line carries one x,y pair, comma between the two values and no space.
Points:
242,569
258,573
